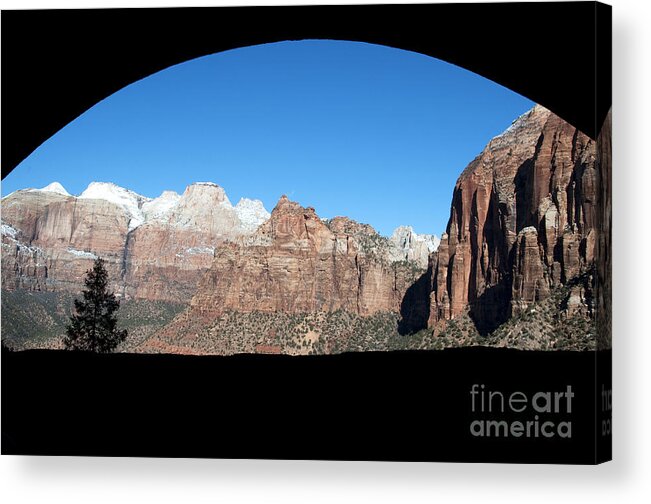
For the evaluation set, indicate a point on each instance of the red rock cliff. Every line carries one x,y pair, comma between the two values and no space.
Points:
604,240
522,221
154,249
296,263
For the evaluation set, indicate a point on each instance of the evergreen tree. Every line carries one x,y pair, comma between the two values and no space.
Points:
94,325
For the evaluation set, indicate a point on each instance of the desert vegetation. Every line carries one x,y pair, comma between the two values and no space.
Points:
551,324
38,319
295,334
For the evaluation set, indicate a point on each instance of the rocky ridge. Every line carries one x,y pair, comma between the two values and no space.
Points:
522,223
297,263
292,279
156,249
516,266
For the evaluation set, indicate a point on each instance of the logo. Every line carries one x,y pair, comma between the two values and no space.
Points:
541,414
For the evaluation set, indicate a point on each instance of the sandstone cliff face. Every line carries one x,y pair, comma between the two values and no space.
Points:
159,249
522,221
52,236
529,215
604,234
167,255
296,263
154,249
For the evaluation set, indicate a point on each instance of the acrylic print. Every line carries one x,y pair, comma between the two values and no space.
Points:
376,251
295,198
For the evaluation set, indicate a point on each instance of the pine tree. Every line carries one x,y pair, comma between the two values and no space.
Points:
94,325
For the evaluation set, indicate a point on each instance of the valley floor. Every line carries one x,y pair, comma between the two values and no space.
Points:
33,320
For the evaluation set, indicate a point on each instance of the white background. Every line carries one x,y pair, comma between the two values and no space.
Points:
626,480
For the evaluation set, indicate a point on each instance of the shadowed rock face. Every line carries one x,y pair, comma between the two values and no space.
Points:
604,235
296,263
529,214
522,221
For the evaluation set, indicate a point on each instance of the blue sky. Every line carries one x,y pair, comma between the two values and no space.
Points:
371,132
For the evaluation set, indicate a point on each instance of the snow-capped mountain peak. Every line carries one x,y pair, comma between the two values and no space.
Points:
130,201
405,236
206,193
407,245
55,187
251,213
161,207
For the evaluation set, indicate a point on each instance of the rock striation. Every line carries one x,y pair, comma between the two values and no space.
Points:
55,237
522,221
159,249
297,263
529,223
604,235
155,249
166,256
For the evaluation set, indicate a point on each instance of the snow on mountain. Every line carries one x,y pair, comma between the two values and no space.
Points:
251,213
82,253
405,238
159,208
130,201
201,250
55,187
7,230
432,242
207,192
407,245
205,205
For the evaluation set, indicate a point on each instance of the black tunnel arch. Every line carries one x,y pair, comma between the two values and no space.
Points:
57,64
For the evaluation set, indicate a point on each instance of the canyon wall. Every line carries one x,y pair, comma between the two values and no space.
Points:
160,249
530,215
154,249
297,263
604,235
522,222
